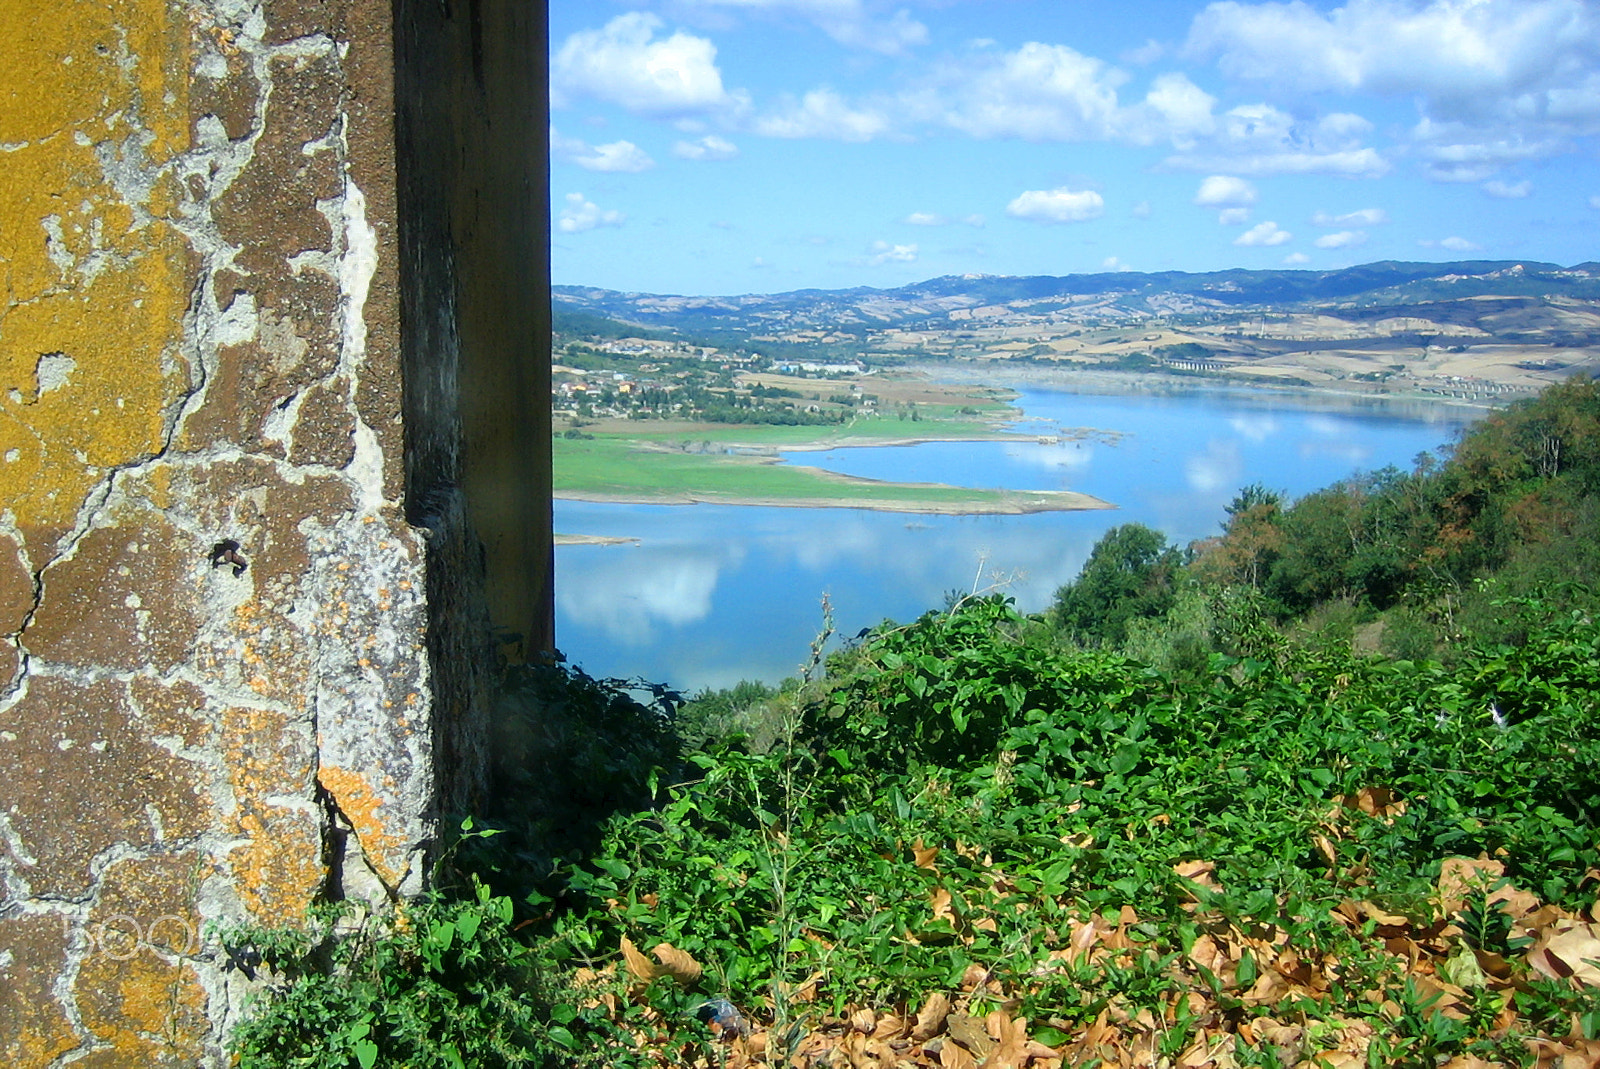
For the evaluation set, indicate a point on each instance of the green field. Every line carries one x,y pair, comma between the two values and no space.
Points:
652,468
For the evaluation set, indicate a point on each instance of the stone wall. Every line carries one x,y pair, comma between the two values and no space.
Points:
268,390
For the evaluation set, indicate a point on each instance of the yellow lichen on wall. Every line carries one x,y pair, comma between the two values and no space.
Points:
385,851
97,278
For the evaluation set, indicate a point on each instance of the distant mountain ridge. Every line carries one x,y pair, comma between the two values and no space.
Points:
1111,295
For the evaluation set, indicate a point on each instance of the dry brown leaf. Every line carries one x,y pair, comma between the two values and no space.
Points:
806,990
1459,876
1378,802
1468,1061
1011,1041
677,964
640,967
974,976
930,1019
864,1021
1326,849
1212,1050
1208,955
969,1033
1568,950
939,901
1358,913
1084,935
1450,997
1200,872
926,857
1338,1059
954,1056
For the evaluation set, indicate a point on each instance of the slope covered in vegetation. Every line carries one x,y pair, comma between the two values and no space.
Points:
1186,818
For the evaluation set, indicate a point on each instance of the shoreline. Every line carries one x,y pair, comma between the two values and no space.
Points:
985,502
1106,382
596,540
1001,503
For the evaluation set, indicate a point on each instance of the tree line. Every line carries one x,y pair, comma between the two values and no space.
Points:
1404,561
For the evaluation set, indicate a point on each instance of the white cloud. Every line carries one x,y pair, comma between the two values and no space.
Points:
710,147
1267,233
582,214
892,37
1260,139
618,156
1508,190
1452,152
1515,78
1359,163
1140,210
885,253
1061,205
974,220
623,63
1454,244
846,21
1114,263
926,219
1233,216
1175,109
1341,239
1594,202
1225,191
1145,54
1294,259
1460,51
1362,217
1039,92
823,113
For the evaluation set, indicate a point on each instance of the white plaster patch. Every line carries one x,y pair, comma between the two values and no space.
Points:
14,842
13,455
280,341
239,322
55,244
356,268
279,424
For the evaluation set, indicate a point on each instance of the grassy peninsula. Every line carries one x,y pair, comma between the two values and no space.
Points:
625,453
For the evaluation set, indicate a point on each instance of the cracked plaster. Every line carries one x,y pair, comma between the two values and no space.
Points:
199,343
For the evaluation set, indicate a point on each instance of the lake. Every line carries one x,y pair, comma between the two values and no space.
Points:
713,594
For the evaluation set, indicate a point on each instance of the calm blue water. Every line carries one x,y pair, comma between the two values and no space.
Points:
715,594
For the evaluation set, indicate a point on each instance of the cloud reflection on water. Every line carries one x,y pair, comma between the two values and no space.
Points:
715,594
625,593
1218,468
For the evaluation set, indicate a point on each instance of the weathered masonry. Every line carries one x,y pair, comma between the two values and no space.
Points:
274,477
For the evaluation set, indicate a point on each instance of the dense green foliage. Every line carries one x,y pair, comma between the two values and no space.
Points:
445,985
1421,556
1184,752
1129,576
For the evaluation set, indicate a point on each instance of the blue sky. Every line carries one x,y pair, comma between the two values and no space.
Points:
740,146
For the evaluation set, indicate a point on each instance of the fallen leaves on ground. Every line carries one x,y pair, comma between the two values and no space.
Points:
1231,986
